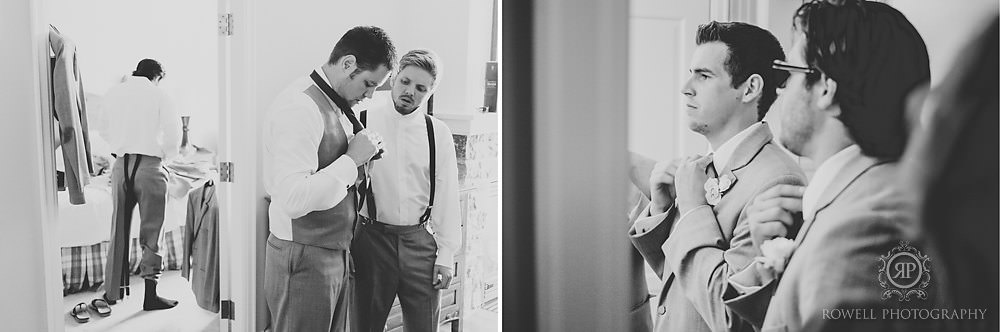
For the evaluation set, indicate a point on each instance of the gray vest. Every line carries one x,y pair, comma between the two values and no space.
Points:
332,228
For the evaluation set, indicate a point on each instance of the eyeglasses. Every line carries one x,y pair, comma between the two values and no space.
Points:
781,65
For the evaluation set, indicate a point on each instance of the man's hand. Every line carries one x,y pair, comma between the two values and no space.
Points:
363,146
442,277
661,185
770,215
690,179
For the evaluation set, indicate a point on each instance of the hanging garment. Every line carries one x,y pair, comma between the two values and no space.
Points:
200,263
70,110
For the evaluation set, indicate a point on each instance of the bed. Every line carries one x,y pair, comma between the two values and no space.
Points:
84,229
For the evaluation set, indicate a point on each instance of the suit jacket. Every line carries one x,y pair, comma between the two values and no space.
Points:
695,256
201,246
837,255
71,112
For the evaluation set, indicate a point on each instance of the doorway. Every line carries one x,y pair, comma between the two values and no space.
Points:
110,38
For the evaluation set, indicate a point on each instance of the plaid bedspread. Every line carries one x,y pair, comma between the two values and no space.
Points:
83,266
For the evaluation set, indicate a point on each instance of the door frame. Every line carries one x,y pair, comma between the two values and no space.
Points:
237,200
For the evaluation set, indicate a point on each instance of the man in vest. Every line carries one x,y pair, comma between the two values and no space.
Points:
411,225
314,150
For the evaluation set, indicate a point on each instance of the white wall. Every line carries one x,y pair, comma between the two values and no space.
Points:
293,37
113,35
31,283
946,27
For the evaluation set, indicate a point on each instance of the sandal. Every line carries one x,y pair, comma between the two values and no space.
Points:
101,307
79,313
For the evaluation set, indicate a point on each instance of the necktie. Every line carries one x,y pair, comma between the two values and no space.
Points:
337,100
366,185
343,105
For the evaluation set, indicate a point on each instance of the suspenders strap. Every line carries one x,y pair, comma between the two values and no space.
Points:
430,143
369,194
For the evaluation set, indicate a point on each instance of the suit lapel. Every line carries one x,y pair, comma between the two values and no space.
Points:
851,171
742,156
748,148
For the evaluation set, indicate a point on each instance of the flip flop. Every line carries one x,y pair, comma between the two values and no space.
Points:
101,307
79,313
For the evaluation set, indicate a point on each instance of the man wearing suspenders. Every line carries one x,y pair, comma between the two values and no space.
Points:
314,152
410,225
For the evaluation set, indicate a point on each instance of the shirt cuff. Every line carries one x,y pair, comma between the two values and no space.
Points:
446,258
343,169
748,280
742,288
647,222
693,210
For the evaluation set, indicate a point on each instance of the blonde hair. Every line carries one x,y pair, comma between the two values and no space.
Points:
423,59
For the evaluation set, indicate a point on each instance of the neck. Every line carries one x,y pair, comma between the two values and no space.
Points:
737,124
328,71
830,139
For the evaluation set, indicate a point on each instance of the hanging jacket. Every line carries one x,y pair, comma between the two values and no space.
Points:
70,110
200,263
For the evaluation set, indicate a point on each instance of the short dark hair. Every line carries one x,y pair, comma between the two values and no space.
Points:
423,59
752,50
150,69
370,45
876,57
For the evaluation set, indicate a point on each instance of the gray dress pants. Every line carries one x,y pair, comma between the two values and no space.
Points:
135,180
393,261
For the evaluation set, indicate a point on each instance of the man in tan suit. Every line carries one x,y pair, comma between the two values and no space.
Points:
852,64
693,239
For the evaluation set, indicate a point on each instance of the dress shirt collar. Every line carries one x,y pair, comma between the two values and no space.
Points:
413,116
721,156
139,79
824,175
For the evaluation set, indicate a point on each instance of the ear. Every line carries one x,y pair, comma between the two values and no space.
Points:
348,63
754,88
828,89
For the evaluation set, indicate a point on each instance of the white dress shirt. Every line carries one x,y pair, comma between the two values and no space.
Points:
141,119
401,179
824,175
291,134
720,157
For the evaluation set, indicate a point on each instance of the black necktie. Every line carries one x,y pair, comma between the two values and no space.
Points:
337,100
342,104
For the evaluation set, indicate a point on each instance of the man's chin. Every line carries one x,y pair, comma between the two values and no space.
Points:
699,128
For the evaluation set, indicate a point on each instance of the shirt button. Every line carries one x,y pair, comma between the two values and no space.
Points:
662,310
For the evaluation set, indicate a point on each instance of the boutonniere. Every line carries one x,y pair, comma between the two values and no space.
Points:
716,187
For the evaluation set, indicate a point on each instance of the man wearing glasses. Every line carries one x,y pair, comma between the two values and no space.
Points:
694,239
852,65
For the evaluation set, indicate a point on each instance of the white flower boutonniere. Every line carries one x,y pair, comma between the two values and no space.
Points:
776,252
716,187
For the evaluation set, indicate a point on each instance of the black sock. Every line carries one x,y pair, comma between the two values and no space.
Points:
153,302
